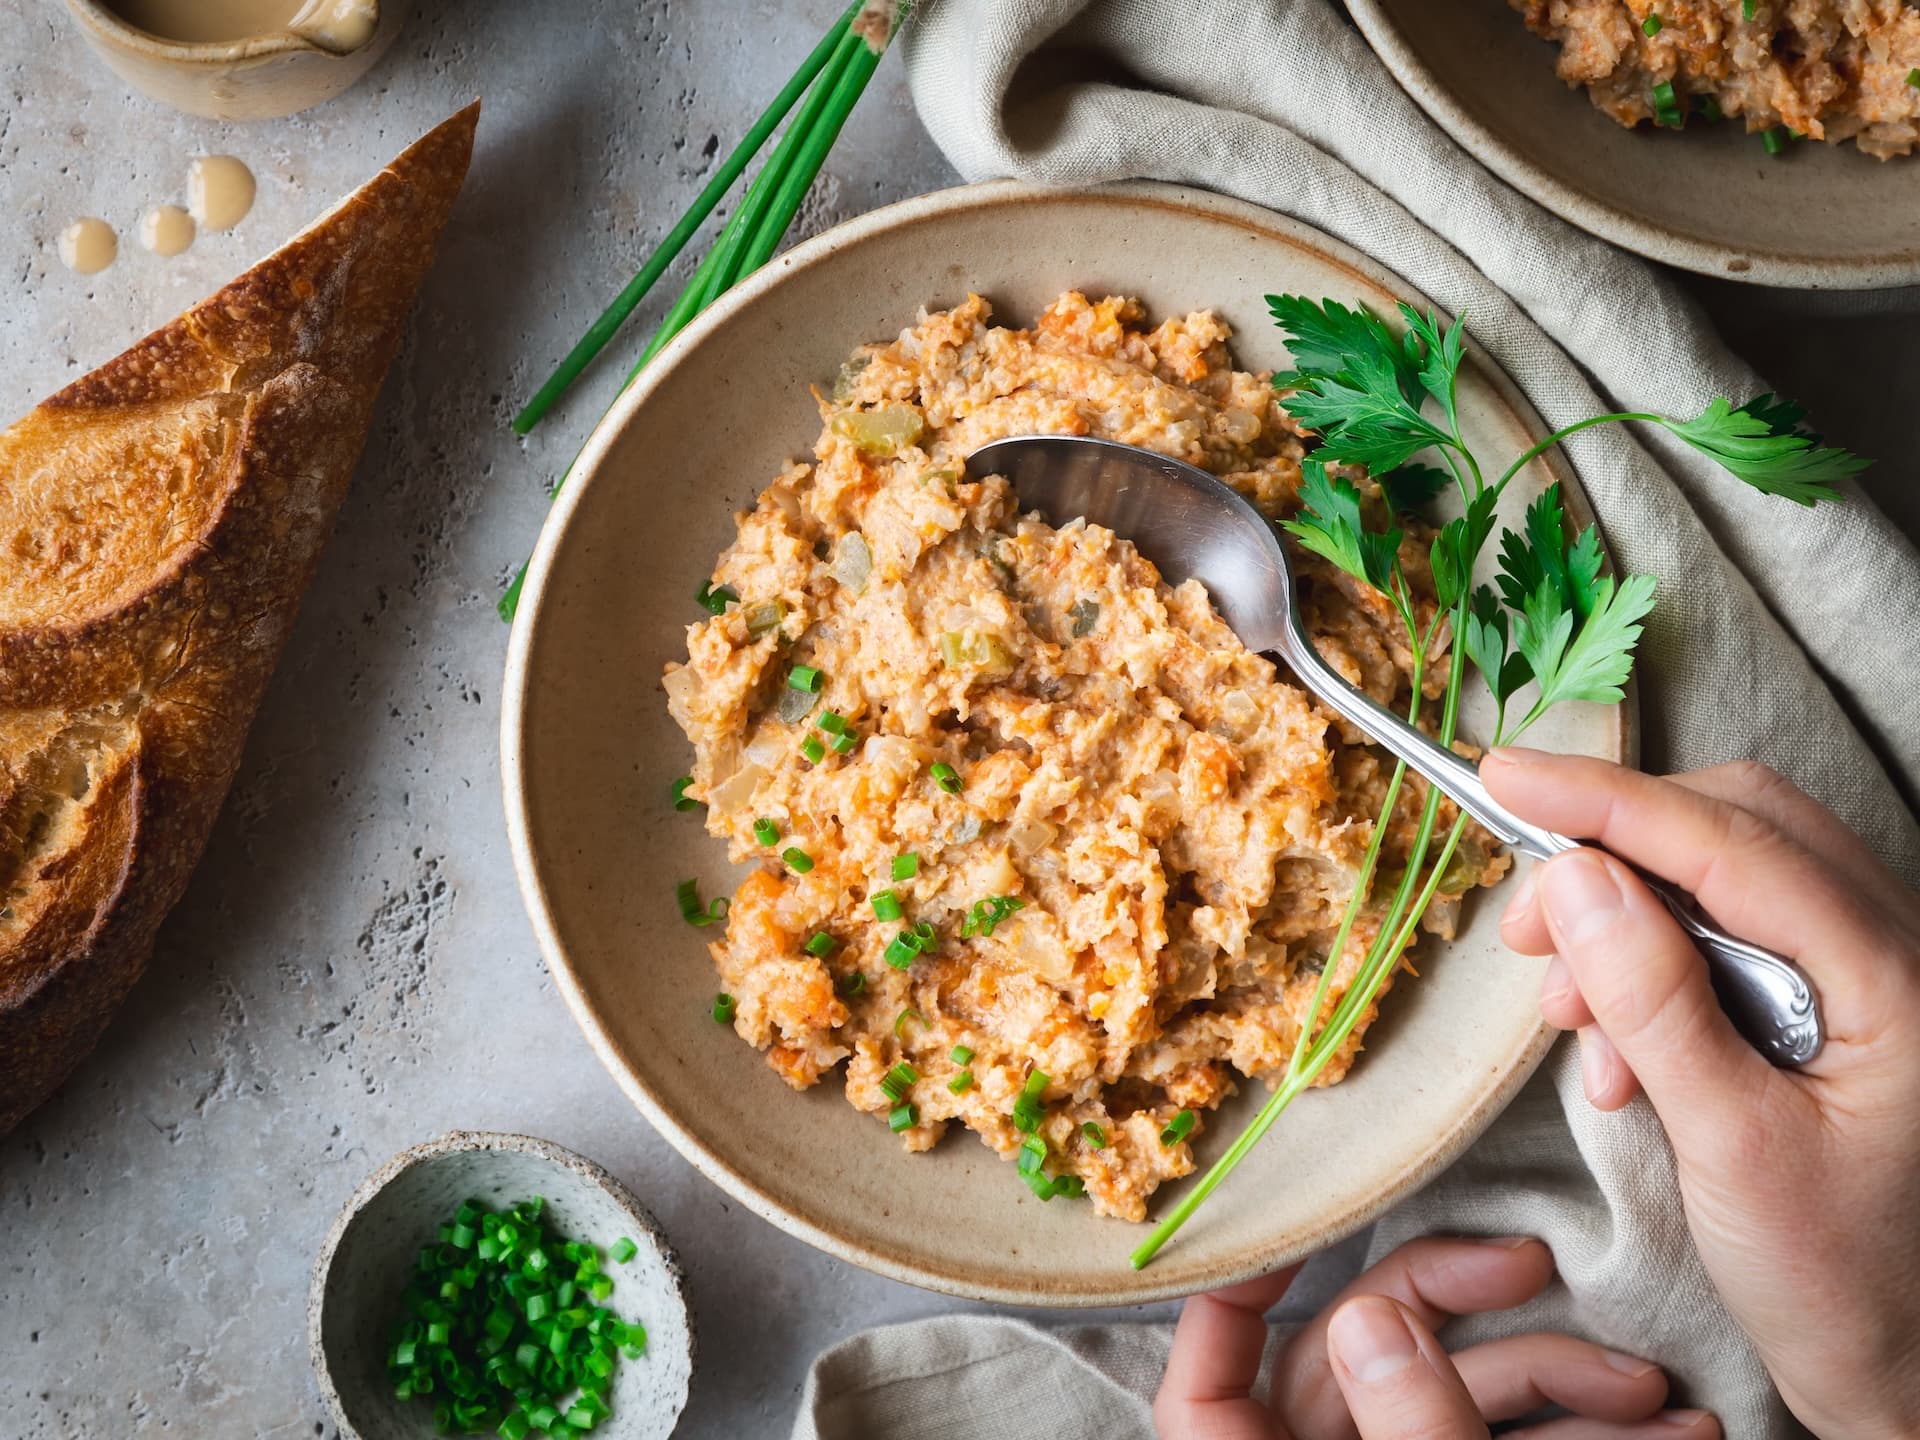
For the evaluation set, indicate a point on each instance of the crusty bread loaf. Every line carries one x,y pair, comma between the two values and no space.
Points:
159,520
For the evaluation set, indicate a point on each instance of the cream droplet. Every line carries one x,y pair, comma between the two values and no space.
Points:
219,191
166,230
88,245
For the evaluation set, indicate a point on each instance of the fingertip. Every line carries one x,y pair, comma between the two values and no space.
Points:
1561,1003
1370,1339
1604,1075
1695,1424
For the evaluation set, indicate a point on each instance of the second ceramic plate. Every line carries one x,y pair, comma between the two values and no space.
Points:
1709,199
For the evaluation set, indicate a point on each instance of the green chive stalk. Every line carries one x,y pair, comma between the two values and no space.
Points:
615,315
833,79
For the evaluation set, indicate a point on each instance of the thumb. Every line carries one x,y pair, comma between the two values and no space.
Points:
1398,1382
1649,992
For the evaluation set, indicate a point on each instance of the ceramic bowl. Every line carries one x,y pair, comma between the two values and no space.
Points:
589,753
258,78
371,1248
1708,199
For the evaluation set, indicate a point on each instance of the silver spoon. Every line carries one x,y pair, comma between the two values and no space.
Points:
1190,524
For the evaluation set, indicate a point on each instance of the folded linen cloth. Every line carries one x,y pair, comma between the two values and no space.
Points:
1782,634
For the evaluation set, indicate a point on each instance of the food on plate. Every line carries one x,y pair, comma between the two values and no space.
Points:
1834,70
160,518
504,1326
1046,851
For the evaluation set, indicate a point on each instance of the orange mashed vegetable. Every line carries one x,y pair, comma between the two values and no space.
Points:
1179,823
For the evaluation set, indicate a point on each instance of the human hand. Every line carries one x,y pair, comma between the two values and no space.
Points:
1370,1367
1802,1189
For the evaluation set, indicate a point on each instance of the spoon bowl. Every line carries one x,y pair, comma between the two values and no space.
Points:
1193,526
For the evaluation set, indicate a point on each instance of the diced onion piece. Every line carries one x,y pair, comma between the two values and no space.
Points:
764,616
1025,837
882,433
736,791
984,653
1038,948
853,561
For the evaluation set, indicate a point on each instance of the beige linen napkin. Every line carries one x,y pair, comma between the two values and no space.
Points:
1783,634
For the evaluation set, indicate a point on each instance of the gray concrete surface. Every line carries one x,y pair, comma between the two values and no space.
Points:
351,971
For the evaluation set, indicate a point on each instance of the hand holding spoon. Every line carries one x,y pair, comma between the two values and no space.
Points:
1190,524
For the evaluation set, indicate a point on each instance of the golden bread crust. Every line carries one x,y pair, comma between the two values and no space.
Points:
160,519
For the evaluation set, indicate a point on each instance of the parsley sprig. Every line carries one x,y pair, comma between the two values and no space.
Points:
1379,398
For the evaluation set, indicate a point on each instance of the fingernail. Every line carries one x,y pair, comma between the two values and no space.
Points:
1522,901
1557,987
1596,1064
1371,1340
1581,900
1628,1364
1512,755
1681,1419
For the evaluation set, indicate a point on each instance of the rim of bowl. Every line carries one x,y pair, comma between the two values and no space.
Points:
1516,1067
1773,269
456,1142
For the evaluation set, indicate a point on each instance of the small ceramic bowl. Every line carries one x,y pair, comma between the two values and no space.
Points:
1708,199
257,78
363,1266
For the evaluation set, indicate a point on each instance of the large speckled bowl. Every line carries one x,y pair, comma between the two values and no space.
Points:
1709,198
370,1251
589,753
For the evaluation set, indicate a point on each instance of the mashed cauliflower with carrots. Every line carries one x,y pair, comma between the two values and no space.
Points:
1834,70
1046,851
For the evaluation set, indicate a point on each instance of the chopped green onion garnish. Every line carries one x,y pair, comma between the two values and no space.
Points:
715,599
723,1008
901,951
1026,1108
897,1081
886,905
766,832
1033,1154
1178,1128
961,1083
804,677
813,749
1094,1135
623,1250
1071,1186
853,984
682,800
903,1117
1650,26
946,777
961,1054
833,722
1772,139
905,867
843,744
687,892
1746,9
497,1343
1913,77
900,1020
1708,107
987,914
797,859
821,944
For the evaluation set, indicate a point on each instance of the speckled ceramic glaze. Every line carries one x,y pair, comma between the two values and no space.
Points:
369,1252
589,753
1710,198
